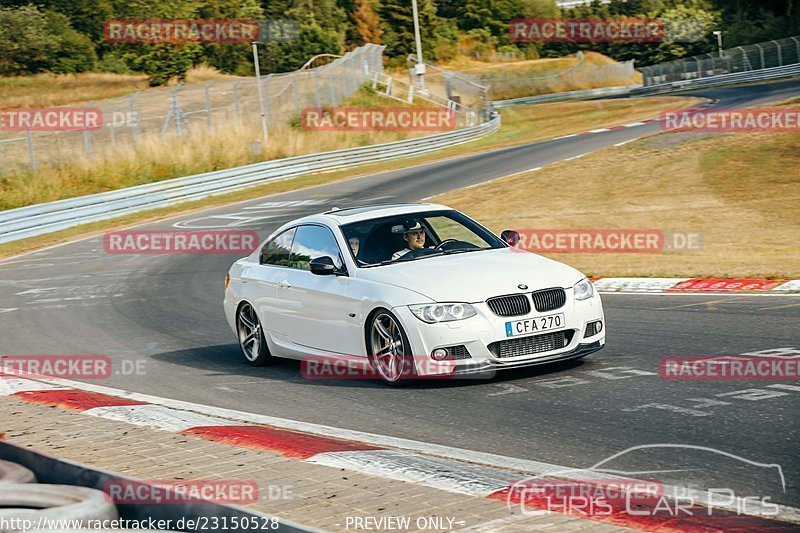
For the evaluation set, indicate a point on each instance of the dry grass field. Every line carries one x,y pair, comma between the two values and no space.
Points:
48,90
739,190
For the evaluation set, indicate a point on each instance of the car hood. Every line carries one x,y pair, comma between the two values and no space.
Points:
475,276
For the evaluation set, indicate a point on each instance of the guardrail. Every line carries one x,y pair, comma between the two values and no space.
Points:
774,73
570,95
40,219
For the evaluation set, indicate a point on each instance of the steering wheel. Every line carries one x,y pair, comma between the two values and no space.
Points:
446,241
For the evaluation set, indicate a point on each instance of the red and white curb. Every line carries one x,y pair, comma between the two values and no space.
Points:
697,285
449,469
631,124
610,128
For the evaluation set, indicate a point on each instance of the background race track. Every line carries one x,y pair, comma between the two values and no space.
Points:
167,310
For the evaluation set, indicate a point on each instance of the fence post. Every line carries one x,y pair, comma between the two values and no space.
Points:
746,66
331,90
317,97
295,95
797,42
31,150
236,101
780,54
87,141
699,67
266,98
761,54
208,106
176,114
134,120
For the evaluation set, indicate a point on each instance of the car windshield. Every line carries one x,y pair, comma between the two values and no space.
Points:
410,237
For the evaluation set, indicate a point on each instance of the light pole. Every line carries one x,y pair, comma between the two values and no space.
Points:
419,69
719,42
260,95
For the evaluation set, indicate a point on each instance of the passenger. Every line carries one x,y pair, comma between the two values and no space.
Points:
414,235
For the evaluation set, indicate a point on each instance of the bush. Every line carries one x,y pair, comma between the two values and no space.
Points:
34,40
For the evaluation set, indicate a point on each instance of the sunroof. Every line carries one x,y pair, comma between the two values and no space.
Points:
365,209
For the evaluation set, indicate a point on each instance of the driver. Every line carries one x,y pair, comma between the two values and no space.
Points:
414,235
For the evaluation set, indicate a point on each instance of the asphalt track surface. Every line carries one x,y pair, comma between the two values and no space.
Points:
166,310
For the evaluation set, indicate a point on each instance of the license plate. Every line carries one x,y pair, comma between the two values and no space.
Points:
528,326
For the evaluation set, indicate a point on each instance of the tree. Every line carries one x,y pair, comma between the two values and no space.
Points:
367,23
232,58
398,28
34,40
311,40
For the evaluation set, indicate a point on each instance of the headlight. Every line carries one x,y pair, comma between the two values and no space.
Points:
446,312
583,289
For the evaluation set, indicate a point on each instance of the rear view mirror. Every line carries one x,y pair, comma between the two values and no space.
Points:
510,237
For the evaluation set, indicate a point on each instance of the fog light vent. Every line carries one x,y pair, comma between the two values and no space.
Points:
453,352
593,328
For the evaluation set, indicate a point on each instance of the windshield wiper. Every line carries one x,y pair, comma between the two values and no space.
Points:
402,260
462,250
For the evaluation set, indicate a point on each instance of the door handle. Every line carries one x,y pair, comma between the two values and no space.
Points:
284,284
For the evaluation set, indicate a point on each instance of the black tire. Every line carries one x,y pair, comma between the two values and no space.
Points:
396,366
252,340
14,473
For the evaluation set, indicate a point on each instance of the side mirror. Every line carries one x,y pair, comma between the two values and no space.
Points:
510,237
322,266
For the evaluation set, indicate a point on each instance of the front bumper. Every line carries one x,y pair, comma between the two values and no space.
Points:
480,336
488,367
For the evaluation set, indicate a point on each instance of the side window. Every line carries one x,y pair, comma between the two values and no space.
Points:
312,242
276,251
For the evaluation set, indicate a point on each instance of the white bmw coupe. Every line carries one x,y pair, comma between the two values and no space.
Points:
402,286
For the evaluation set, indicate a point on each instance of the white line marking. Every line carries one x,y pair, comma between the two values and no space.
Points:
634,124
623,143
599,130
534,169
